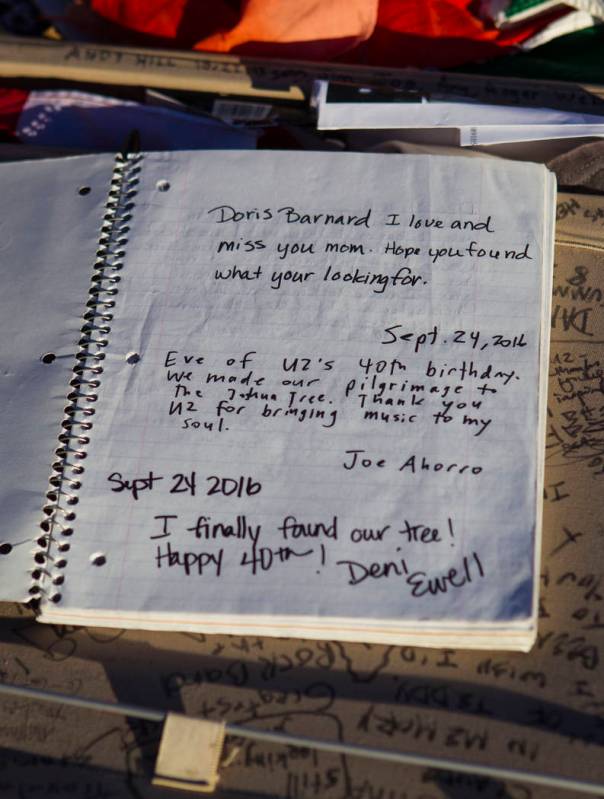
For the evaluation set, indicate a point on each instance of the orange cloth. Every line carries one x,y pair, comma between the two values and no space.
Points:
312,29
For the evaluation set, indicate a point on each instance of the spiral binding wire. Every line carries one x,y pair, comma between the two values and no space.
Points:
53,544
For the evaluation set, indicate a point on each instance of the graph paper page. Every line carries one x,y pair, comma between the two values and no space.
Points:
321,395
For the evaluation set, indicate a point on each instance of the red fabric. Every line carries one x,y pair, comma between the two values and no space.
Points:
438,33
396,33
156,17
159,23
11,105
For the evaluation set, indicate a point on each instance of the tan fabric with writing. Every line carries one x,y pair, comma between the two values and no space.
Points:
582,166
540,711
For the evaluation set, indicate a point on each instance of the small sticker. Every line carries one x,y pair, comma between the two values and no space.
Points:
231,111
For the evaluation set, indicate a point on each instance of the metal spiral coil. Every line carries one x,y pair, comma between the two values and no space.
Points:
52,545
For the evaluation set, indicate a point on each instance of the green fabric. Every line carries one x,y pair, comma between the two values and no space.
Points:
575,57
519,6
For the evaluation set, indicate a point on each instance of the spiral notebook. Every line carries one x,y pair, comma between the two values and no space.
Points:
278,393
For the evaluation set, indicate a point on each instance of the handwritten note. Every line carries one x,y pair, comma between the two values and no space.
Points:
320,394
539,711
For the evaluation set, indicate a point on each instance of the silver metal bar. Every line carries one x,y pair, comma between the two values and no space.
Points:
280,738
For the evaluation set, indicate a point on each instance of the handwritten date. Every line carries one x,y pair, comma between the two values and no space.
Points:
180,483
